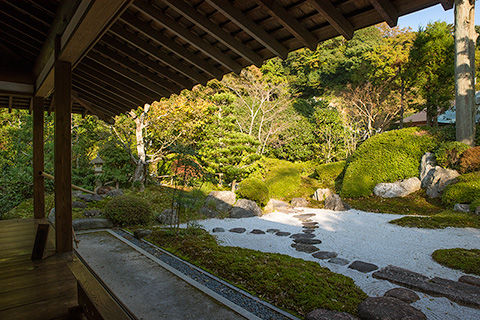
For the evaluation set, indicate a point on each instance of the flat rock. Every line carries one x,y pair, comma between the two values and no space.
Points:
245,208
363,266
324,255
273,230
91,223
257,231
459,292
304,216
313,227
282,234
79,204
400,188
386,308
339,261
115,193
307,241
238,230
218,229
310,224
308,248
324,314
299,202
92,213
471,280
461,207
402,294
302,235
142,233
308,230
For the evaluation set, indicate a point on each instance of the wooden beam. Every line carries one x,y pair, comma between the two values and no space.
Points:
63,156
215,31
387,11
91,108
245,23
447,4
90,21
182,32
149,32
146,61
335,18
38,158
289,22
10,104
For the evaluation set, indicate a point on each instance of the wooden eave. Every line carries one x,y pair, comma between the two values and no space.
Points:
126,53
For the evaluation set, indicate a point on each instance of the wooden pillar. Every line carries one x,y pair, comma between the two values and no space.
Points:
63,156
465,37
38,159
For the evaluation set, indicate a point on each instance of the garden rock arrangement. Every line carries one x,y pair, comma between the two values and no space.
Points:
388,308
322,194
277,205
400,188
223,203
335,203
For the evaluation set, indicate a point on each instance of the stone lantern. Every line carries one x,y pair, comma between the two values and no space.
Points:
98,166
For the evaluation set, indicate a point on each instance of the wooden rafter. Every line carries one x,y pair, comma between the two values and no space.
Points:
194,40
245,23
387,11
91,108
447,4
215,31
289,22
335,18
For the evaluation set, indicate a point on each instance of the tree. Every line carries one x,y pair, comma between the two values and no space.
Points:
431,64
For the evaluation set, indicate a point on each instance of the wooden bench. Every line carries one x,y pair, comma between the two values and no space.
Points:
94,297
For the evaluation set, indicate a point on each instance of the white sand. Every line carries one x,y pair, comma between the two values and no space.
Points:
365,236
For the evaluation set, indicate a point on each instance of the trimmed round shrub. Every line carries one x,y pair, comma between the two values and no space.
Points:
129,210
328,173
448,154
386,157
467,260
470,160
254,189
466,190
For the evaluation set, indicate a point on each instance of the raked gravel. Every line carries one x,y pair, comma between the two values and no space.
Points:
364,236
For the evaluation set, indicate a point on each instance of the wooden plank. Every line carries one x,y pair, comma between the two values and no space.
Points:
38,158
63,156
55,308
40,243
386,9
335,18
33,279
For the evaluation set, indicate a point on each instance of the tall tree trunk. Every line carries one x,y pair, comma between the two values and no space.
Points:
141,163
465,37
402,100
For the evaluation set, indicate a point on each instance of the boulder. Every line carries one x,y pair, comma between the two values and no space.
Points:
168,216
277,205
400,188
324,314
221,201
209,213
403,294
90,197
103,190
91,223
335,203
142,233
364,267
440,179
92,213
322,194
299,202
427,168
115,193
461,207
79,204
51,216
386,308
245,208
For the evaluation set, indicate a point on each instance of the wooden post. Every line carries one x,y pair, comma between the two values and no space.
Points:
38,159
465,37
63,156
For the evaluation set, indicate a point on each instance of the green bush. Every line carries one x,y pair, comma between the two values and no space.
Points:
328,173
466,190
254,189
283,178
470,160
448,154
387,157
129,210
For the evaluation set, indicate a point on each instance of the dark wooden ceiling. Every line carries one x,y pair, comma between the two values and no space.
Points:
128,53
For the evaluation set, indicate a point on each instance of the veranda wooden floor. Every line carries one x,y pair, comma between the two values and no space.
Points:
29,289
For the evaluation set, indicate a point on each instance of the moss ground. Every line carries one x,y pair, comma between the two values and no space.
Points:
461,259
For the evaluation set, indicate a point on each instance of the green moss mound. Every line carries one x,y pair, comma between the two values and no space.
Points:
254,189
387,157
129,210
461,259
466,190
328,173
449,153
283,178
293,284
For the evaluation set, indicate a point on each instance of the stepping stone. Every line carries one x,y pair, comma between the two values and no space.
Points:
324,314
257,231
474,281
282,233
307,241
218,230
302,235
364,267
305,215
238,230
402,294
308,248
339,261
273,230
310,224
313,227
324,254
388,308
308,230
